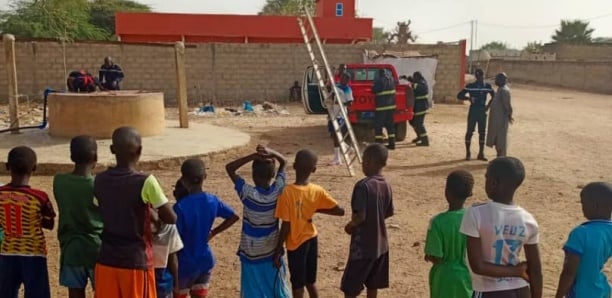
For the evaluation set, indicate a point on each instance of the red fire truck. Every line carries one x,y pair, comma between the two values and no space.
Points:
361,112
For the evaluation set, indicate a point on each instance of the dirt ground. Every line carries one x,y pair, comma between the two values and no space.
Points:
563,138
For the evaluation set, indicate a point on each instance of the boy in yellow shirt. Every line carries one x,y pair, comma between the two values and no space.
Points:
296,206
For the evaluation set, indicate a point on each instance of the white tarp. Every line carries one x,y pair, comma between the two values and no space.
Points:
407,66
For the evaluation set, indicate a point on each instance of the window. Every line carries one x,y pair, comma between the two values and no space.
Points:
339,9
360,75
372,74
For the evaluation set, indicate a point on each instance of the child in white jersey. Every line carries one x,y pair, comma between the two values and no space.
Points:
496,233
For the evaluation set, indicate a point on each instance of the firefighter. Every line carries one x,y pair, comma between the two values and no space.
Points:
421,105
80,81
384,90
111,75
478,92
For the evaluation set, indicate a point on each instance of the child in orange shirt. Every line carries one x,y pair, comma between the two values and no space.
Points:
296,206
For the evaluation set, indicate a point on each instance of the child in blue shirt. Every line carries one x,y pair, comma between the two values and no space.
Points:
589,246
196,213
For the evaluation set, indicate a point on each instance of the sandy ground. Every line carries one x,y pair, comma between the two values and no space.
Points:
563,138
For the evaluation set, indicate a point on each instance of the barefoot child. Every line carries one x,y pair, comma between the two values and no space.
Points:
23,255
445,245
258,277
125,196
296,206
80,223
372,203
196,214
496,233
589,246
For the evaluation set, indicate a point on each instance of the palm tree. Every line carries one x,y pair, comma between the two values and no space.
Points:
573,32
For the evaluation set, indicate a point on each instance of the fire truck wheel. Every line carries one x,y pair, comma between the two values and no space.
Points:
401,130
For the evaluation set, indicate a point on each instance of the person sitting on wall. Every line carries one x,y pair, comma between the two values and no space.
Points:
111,75
81,81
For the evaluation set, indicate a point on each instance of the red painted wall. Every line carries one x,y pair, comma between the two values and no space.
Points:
159,27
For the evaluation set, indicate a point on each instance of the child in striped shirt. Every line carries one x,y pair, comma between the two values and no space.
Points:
259,278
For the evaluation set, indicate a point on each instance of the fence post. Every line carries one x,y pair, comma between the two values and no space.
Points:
181,84
11,71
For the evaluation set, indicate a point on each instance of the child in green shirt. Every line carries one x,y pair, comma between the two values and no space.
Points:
445,246
80,224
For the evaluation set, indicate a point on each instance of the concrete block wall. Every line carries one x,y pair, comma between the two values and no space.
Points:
579,75
223,73
580,52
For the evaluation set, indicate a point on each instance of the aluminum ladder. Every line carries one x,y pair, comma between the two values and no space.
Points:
307,25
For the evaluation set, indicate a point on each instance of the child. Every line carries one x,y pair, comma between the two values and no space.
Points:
445,245
496,233
196,214
25,212
259,236
589,246
80,224
125,263
346,96
296,206
166,245
372,203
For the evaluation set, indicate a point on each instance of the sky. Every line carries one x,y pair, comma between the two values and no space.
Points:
515,22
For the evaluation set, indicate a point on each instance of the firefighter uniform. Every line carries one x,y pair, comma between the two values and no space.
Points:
421,105
384,90
478,113
111,76
80,81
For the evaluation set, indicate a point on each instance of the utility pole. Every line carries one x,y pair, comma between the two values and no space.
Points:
472,44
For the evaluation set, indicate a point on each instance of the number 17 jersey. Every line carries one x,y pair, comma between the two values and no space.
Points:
503,230
22,210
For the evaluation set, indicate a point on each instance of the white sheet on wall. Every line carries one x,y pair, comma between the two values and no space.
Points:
407,66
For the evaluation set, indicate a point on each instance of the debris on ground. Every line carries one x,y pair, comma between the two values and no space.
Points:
247,109
340,266
29,114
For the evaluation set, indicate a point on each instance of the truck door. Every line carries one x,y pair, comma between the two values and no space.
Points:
311,93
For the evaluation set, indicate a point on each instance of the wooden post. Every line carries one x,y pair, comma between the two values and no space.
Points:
181,84
11,71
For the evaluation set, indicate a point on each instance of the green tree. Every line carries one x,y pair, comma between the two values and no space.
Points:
102,12
65,20
495,45
379,35
573,32
534,47
602,40
286,7
401,34
58,19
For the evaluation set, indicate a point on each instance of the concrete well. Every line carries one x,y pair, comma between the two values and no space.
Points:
98,114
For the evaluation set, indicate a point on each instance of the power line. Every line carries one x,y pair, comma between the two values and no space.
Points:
446,28
511,26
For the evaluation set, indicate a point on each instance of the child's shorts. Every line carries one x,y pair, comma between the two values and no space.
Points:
31,271
514,293
120,282
303,264
76,277
373,273
198,284
330,127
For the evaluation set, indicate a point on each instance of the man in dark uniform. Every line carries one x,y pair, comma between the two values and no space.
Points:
80,81
111,75
421,105
384,90
478,92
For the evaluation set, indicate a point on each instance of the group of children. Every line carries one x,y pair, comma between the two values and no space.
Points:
492,235
118,231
